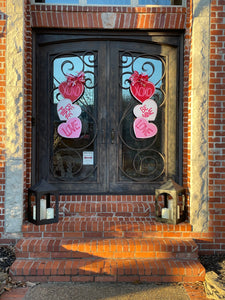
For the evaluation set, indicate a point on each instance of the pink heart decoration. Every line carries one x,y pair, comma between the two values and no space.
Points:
143,129
147,110
142,90
71,129
66,110
72,92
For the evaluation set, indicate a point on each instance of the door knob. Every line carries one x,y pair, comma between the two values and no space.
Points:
103,130
112,136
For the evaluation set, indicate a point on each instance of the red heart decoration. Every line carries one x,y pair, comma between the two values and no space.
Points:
72,92
142,90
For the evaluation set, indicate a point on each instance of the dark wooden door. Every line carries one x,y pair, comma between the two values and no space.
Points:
107,157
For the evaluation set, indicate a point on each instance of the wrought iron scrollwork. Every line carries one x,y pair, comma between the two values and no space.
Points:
66,163
142,159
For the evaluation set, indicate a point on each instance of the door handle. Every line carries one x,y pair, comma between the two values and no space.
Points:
103,130
112,136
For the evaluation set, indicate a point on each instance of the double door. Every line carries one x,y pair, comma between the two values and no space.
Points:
108,154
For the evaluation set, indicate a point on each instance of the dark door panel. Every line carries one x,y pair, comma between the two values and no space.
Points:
138,164
61,160
107,157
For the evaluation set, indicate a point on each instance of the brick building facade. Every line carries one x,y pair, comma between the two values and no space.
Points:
202,25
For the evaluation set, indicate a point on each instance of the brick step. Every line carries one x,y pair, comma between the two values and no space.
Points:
107,248
73,227
103,208
110,270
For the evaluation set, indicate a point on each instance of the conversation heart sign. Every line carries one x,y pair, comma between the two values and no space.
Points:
66,110
143,129
147,110
71,129
73,87
140,87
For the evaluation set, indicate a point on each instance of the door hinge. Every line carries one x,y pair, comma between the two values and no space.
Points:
33,121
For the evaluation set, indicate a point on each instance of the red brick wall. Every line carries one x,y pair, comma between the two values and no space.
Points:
157,18
27,98
136,18
2,110
62,16
126,18
217,125
187,97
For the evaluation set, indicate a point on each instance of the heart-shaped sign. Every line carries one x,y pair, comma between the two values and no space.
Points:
72,92
142,90
143,129
140,87
71,129
147,110
73,87
66,110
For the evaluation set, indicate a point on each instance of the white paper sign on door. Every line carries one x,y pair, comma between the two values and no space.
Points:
88,158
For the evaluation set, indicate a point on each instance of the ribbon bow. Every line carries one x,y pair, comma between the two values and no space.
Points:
72,80
136,77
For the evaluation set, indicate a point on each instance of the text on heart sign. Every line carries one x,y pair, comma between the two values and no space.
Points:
71,129
143,129
66,110
143,91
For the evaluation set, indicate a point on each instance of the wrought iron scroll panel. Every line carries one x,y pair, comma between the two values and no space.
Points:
67,161
141,160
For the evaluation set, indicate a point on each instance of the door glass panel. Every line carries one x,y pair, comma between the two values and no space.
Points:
154,2
74,158
108,2
61,1
141,158
113,2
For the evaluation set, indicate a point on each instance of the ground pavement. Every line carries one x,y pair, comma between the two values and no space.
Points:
108,291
